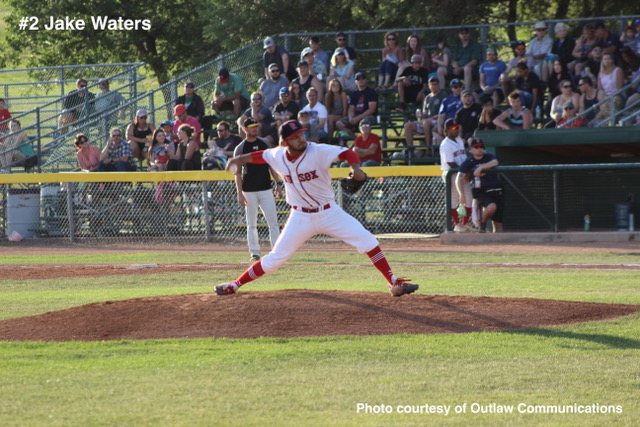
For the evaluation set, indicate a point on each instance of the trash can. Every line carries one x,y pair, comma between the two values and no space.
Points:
23,211
622,211
53,202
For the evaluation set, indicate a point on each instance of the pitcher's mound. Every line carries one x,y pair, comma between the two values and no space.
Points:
299,313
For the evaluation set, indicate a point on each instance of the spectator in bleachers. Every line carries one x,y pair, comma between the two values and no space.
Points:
413,48
343,69
105,101
412,83
188,150
441,59
629,38
466,58
610,78
634,99
569,112
629,62
391,55
316,68
139,134
367,146
469,115
490,72
88,155
158,153
230,93
561,49
191,100
539,48
336,102
306,80
318,54
519,55
260,114
182,117
77,104
116,156
5,115
488,114
427,118
450,105
590,96
285,110
591,67
271,86
528,85
567,95
226,140
317,116
559,73
295,93
608,41
341,41
10,152
516,117
167,127
363,104
276,54
582,49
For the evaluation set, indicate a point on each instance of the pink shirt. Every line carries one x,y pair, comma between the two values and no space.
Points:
191,121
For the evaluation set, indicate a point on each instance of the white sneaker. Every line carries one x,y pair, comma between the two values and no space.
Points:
459,228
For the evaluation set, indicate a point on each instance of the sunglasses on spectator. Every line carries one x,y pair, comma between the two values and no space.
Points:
116,134
566,87
275,70
143,117
256,99
341,39
82,86
391,38
456,87
568,108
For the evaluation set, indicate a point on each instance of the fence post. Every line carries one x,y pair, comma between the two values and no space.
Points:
207,214
39,145
447,198
556,201
70,213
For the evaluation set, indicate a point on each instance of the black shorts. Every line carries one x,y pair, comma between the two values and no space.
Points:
489,196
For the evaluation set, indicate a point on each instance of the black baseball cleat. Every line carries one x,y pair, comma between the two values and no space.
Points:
402,287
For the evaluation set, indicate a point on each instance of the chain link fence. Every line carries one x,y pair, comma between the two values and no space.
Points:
128,207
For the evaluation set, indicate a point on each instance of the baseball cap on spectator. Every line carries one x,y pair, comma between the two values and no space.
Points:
305,52
464,29
290,129
250,123
303,63
433,79
273,65
476,142
167,123
141,113
268,42
303,113
340,51
359,76
451,123
179,110
636,22
520,46
455,82
486,100
189,84
284,91
416,59
630,27
568,106
467,92
540,25
223,75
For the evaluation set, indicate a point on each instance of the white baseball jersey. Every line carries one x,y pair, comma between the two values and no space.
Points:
452,152
306,179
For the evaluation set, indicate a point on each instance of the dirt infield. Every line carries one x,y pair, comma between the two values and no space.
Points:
290,313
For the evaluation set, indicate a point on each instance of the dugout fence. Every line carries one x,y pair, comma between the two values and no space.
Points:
201,205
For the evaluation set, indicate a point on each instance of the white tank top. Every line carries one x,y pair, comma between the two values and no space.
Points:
608,82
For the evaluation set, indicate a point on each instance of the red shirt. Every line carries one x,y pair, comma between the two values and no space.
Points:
4,115
360,142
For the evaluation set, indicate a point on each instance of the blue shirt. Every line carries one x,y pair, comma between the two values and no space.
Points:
492,72
488,180
450,106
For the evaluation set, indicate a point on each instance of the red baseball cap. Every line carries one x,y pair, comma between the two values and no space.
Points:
179,110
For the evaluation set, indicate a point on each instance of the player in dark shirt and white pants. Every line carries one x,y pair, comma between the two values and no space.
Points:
253,184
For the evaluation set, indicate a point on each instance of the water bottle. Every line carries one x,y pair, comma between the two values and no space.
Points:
476,182
538,112
587,223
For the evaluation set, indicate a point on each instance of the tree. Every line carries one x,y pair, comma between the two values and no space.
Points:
170,44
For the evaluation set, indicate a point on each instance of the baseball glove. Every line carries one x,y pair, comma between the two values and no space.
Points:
351,185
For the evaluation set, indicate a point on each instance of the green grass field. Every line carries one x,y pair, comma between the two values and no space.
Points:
324,381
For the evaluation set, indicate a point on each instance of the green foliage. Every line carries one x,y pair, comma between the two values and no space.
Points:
171,46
